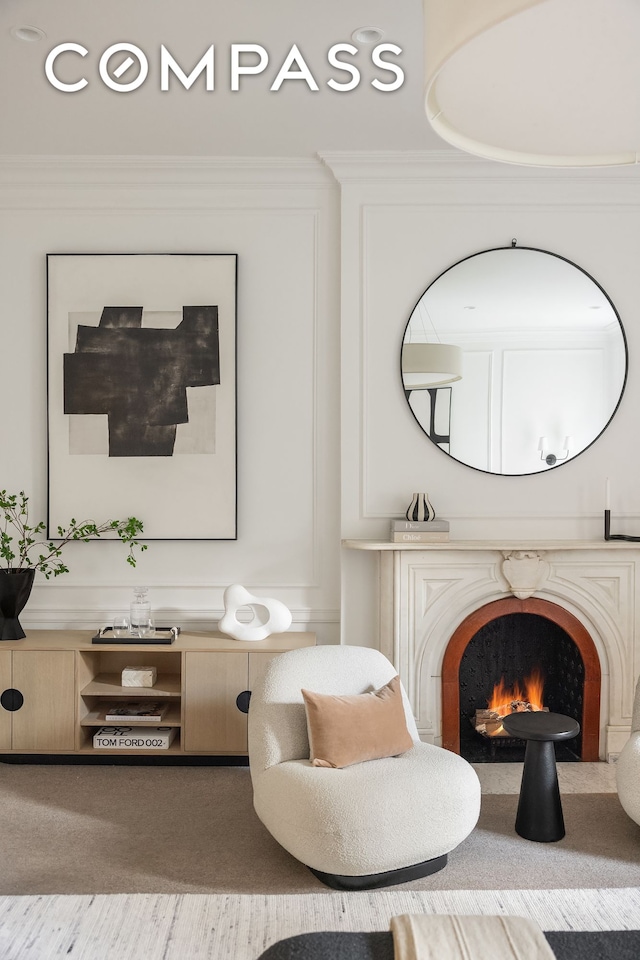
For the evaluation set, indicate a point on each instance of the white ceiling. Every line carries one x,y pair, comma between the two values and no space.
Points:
518,291
294,122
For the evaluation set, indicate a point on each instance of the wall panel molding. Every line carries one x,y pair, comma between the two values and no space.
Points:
281,217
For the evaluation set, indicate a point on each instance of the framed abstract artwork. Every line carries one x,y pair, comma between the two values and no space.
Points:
142,392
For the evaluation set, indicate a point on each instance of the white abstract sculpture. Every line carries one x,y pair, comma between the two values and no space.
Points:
269,615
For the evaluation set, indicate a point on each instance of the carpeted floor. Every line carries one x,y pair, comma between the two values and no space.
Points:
109,829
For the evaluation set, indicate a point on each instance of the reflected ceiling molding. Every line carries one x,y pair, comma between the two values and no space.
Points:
551,83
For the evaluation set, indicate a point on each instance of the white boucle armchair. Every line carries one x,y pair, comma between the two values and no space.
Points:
628,766
363,826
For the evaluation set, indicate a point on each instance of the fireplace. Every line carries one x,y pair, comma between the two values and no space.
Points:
509,641
434,598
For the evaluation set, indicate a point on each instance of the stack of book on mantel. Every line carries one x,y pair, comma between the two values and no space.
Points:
419,531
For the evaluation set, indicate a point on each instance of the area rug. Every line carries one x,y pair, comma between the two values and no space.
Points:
168,830
201,927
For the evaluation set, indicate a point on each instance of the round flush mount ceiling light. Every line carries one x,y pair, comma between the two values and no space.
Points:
27,34
367,35
553,83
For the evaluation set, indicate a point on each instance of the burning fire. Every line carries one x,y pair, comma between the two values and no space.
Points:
522,697
525,696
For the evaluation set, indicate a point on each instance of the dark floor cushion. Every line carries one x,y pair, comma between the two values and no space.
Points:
332,946
602,945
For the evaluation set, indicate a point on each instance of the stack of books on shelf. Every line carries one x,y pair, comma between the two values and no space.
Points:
135,711
419,531
133,738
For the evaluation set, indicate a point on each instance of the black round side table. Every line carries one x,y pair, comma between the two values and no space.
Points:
539,814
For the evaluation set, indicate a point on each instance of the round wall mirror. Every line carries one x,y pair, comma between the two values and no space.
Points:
514,360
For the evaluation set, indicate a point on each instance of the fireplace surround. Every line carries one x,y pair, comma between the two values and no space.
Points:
434,598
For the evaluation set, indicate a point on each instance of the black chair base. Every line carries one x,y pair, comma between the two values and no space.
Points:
371,881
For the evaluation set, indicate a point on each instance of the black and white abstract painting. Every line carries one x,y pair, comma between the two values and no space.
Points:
142,391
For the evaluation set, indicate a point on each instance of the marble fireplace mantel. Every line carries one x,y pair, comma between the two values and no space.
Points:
427,590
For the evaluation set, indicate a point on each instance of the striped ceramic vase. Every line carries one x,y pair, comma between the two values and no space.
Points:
420,508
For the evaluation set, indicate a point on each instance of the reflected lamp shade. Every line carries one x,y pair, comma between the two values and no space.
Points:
538,82
430,365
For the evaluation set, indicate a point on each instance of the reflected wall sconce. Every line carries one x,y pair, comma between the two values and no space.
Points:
490,92
427,365
550,458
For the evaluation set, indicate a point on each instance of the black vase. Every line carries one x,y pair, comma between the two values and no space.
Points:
15,587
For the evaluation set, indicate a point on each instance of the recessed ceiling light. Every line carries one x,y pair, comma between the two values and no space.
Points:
367,35
28,34
470,306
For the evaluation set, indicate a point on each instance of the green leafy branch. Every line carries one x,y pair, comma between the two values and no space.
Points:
21,545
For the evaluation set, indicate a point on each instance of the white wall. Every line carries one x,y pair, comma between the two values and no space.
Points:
280,218
404,220
361,244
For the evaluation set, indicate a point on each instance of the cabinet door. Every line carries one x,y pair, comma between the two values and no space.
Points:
46,680
5,715
258,662
212,722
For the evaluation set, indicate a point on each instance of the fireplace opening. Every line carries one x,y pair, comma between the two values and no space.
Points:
561,647
502,658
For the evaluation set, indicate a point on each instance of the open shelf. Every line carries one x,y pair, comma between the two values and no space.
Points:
96,718
110,685
100,687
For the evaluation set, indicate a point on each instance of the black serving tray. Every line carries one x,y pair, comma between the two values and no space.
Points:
161,635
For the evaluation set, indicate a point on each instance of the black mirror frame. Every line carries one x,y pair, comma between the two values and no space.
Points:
513,246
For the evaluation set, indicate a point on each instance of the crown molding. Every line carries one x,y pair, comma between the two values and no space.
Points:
322,171
153,171
449,164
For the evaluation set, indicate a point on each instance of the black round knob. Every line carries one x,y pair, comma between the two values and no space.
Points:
242,701
11,699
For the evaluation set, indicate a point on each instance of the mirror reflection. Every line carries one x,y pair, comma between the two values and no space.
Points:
514,360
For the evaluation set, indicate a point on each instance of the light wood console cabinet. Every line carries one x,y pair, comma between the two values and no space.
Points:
55,686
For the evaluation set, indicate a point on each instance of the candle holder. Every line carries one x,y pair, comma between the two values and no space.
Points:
615,536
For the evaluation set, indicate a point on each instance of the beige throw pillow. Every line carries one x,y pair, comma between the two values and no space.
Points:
367,726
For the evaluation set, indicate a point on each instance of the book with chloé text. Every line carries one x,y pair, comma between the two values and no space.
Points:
419,531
